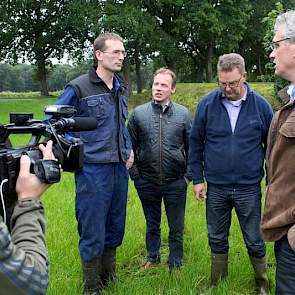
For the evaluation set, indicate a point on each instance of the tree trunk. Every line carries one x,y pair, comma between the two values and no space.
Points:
127,76
42,77
171,64
209,72
138,69
198,70
260,71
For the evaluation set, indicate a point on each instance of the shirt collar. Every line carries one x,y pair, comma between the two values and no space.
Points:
239,101
164,106
291,91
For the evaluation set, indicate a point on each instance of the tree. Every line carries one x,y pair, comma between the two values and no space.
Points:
138,28
37,30
209,28
251,46
269,22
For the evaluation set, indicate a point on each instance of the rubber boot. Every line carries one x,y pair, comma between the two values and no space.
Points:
91,276
261,280
108,260
218,267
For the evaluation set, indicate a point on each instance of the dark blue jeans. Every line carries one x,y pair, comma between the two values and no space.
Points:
246,200
174,196
285,272
101,198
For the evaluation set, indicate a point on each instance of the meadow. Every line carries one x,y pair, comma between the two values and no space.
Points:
194,278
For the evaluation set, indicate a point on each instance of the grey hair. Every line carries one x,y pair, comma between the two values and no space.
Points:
231,61
287,20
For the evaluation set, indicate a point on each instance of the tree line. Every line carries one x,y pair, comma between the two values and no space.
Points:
184,35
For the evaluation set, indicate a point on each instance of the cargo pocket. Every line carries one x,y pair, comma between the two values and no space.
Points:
96,107
288,129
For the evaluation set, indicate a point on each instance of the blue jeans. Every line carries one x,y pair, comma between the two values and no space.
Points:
285,272
101,198
246,199
174,197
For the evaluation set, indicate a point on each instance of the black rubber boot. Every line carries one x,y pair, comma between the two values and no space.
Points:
91,276
108,261
261,279
218,267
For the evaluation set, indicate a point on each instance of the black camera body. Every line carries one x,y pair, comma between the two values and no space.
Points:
68,150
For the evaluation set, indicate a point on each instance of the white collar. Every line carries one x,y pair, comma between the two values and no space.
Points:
290,89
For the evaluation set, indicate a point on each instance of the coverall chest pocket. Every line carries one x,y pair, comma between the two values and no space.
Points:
96,107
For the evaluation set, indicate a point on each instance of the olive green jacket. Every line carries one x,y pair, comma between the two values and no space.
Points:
23,253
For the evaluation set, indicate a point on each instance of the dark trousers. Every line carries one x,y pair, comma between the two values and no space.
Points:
246,199
101,198
285,272
174,196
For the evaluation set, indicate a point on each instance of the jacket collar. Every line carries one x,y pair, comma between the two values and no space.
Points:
94,78
167,108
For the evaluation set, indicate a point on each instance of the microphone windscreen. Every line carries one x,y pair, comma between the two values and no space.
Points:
83,123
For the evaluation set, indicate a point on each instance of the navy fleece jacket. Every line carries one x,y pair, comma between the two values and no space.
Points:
223,156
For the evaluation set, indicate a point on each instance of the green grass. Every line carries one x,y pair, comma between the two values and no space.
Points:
62,239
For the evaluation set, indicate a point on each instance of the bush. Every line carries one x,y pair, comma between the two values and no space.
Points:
189,94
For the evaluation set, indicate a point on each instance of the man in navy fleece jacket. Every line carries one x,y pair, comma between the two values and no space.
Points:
227,148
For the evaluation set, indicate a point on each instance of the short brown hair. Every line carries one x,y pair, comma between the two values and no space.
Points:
169,72
231,61
100,42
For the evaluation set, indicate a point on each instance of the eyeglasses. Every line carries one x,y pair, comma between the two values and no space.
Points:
232,84
116,53
276,44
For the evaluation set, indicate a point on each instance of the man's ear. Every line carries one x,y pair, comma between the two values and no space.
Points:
98,55
173,90
245,75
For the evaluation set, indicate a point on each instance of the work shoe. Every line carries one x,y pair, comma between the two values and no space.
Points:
108,263
91,276
261,279
218,267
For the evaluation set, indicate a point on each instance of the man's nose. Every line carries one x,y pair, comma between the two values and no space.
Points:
272,55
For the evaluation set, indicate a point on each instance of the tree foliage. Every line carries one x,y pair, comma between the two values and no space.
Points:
184,35
37,30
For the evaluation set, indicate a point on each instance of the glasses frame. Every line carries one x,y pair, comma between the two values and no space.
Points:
274,44
116,53
232,84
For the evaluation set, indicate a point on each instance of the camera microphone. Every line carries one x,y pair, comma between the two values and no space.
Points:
76,123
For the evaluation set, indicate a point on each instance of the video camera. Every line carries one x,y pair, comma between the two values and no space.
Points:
67,149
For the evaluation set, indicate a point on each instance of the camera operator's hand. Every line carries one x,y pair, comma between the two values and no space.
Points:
28,185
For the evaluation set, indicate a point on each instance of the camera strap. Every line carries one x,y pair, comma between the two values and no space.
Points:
2,199
48,171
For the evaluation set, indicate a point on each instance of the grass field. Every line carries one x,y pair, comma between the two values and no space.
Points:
62,238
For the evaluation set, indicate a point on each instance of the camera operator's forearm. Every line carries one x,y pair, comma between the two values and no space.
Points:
26,255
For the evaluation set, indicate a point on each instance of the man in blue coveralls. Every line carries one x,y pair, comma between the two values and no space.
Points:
101,187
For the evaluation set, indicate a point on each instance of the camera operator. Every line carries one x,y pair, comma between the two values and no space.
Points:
23,253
